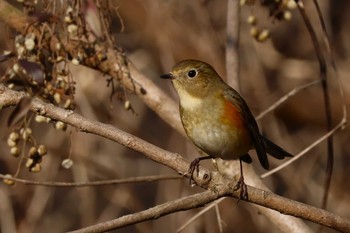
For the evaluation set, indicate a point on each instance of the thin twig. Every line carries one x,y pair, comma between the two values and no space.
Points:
327,103
218,218
93,183
332,60
318,141
286,97
199,214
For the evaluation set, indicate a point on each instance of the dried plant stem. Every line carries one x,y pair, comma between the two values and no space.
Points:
93,183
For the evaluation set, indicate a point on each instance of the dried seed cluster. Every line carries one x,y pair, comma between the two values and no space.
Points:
278,10
55,36
35,155
17,139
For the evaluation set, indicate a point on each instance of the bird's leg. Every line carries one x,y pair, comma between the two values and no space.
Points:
195,166
241,185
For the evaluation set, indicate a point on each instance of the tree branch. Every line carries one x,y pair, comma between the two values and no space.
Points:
232,43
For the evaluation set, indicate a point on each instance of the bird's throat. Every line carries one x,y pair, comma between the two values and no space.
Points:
188,101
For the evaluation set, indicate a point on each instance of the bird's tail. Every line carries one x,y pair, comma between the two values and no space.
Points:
274,150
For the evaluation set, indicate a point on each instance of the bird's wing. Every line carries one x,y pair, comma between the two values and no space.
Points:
249,120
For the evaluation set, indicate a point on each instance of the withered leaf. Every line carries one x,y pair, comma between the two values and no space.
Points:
34,70
6,56
42,17
20,111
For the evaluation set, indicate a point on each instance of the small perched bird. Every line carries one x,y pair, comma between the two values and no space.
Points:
217,119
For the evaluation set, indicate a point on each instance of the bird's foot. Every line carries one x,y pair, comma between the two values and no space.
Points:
194,166
242,187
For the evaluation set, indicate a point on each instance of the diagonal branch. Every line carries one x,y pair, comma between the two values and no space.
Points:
185,203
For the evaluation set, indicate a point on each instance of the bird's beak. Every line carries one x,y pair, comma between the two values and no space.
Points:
167,76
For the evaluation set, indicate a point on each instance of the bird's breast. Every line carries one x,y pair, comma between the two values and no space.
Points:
217,128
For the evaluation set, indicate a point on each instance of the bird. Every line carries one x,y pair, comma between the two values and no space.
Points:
217,119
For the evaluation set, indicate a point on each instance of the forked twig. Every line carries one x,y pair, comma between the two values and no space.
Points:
286,97
318,141
199,214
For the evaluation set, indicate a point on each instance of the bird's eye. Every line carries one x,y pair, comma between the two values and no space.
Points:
192,73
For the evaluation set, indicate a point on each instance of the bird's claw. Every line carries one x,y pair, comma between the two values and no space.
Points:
242,187
194,166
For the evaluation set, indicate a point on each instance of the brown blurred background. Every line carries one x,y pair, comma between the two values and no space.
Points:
156,35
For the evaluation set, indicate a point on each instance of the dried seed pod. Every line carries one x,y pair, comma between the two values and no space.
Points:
48,119
291,4
29,44
59,58
8,181
61,83
68,19
61,125
14,136
36,168
252,20
69,10
29,163
263,35
26,133
15,151
11,143
254,32
16,68
32,152
57,97
67,163
287,15
242,2
72,29
42,150
67,104
58,46
40,119
75,61
127,105
20,50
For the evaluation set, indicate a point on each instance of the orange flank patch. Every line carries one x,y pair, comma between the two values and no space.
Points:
236,123
232,116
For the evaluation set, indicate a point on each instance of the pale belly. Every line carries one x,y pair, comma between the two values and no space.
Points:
217,140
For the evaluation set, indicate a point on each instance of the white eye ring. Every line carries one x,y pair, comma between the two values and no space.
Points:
192,73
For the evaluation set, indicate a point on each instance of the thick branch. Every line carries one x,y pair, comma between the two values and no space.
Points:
232,43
